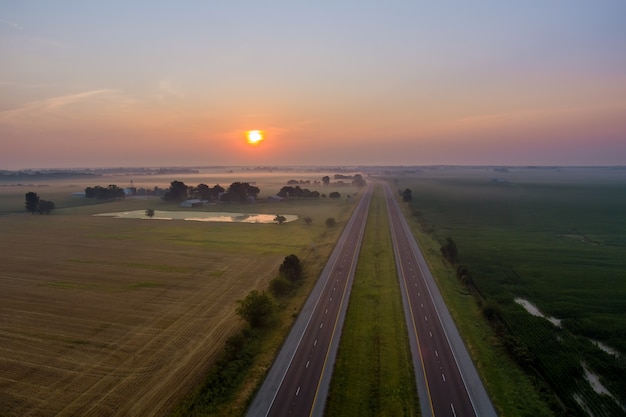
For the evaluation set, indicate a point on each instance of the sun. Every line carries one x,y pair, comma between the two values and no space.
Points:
254,136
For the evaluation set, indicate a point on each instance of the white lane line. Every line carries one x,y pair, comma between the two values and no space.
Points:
436,353
453,412
431,334
307,364
443,377
315,343
426,318
298,391
326,312
321,325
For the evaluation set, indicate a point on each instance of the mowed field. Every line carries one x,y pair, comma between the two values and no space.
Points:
106,317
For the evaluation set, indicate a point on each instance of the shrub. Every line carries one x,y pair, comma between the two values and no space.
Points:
258,309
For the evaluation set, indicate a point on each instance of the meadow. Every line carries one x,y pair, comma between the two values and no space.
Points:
105,316
555,238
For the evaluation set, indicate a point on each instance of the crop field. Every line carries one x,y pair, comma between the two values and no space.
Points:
552,238
105,317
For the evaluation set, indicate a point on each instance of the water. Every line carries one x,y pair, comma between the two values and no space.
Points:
200,216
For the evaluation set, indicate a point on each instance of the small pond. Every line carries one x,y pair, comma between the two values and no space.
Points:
200,216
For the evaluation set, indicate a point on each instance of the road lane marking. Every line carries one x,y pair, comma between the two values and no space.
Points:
307,364
453,412
297,391
315,343
443,377
436,353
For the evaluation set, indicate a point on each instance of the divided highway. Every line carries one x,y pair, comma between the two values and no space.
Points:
448,383
298,381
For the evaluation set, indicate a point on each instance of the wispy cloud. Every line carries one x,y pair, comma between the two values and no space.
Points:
52,105
13,25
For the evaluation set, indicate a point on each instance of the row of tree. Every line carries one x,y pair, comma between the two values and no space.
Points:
289,191
105,193
35,204
236,192
259,308
357,179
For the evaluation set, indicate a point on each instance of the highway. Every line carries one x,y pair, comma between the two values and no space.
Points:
448,383
298,381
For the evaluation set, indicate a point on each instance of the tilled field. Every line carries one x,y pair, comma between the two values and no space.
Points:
94,325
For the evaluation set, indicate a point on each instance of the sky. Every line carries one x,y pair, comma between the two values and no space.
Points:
154,83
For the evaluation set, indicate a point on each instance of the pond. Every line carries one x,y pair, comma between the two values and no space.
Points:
200,216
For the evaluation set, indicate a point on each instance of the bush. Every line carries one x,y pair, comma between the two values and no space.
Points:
291,268
330,222
258,309
280,287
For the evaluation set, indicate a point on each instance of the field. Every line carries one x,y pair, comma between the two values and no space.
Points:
554,238
104,316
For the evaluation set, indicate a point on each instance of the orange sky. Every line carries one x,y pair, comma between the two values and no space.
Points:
151,84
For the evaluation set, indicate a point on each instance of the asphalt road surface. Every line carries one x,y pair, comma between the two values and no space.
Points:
298,381
448,384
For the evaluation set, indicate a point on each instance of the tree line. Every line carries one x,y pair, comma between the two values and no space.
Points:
236,192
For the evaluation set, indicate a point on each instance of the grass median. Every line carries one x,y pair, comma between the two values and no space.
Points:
373,374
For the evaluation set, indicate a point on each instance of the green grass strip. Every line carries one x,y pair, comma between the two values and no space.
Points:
373,373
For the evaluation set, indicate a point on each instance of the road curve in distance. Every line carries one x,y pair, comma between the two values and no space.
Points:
448,383
297,383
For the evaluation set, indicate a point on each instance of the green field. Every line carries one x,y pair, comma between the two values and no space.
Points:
557,239
373,375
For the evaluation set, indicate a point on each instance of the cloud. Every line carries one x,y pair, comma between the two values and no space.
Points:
55,105
11,24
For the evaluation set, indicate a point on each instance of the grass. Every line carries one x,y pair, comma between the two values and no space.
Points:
559,243
373,375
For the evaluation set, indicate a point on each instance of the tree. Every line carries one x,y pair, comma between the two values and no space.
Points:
358,181
291,268
45,206
326,180
257,308
330,222
280,219
279,286
334,194
449,250
407,195
240,191
150,213
202,191
32,202
307,219
178,192
216,191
